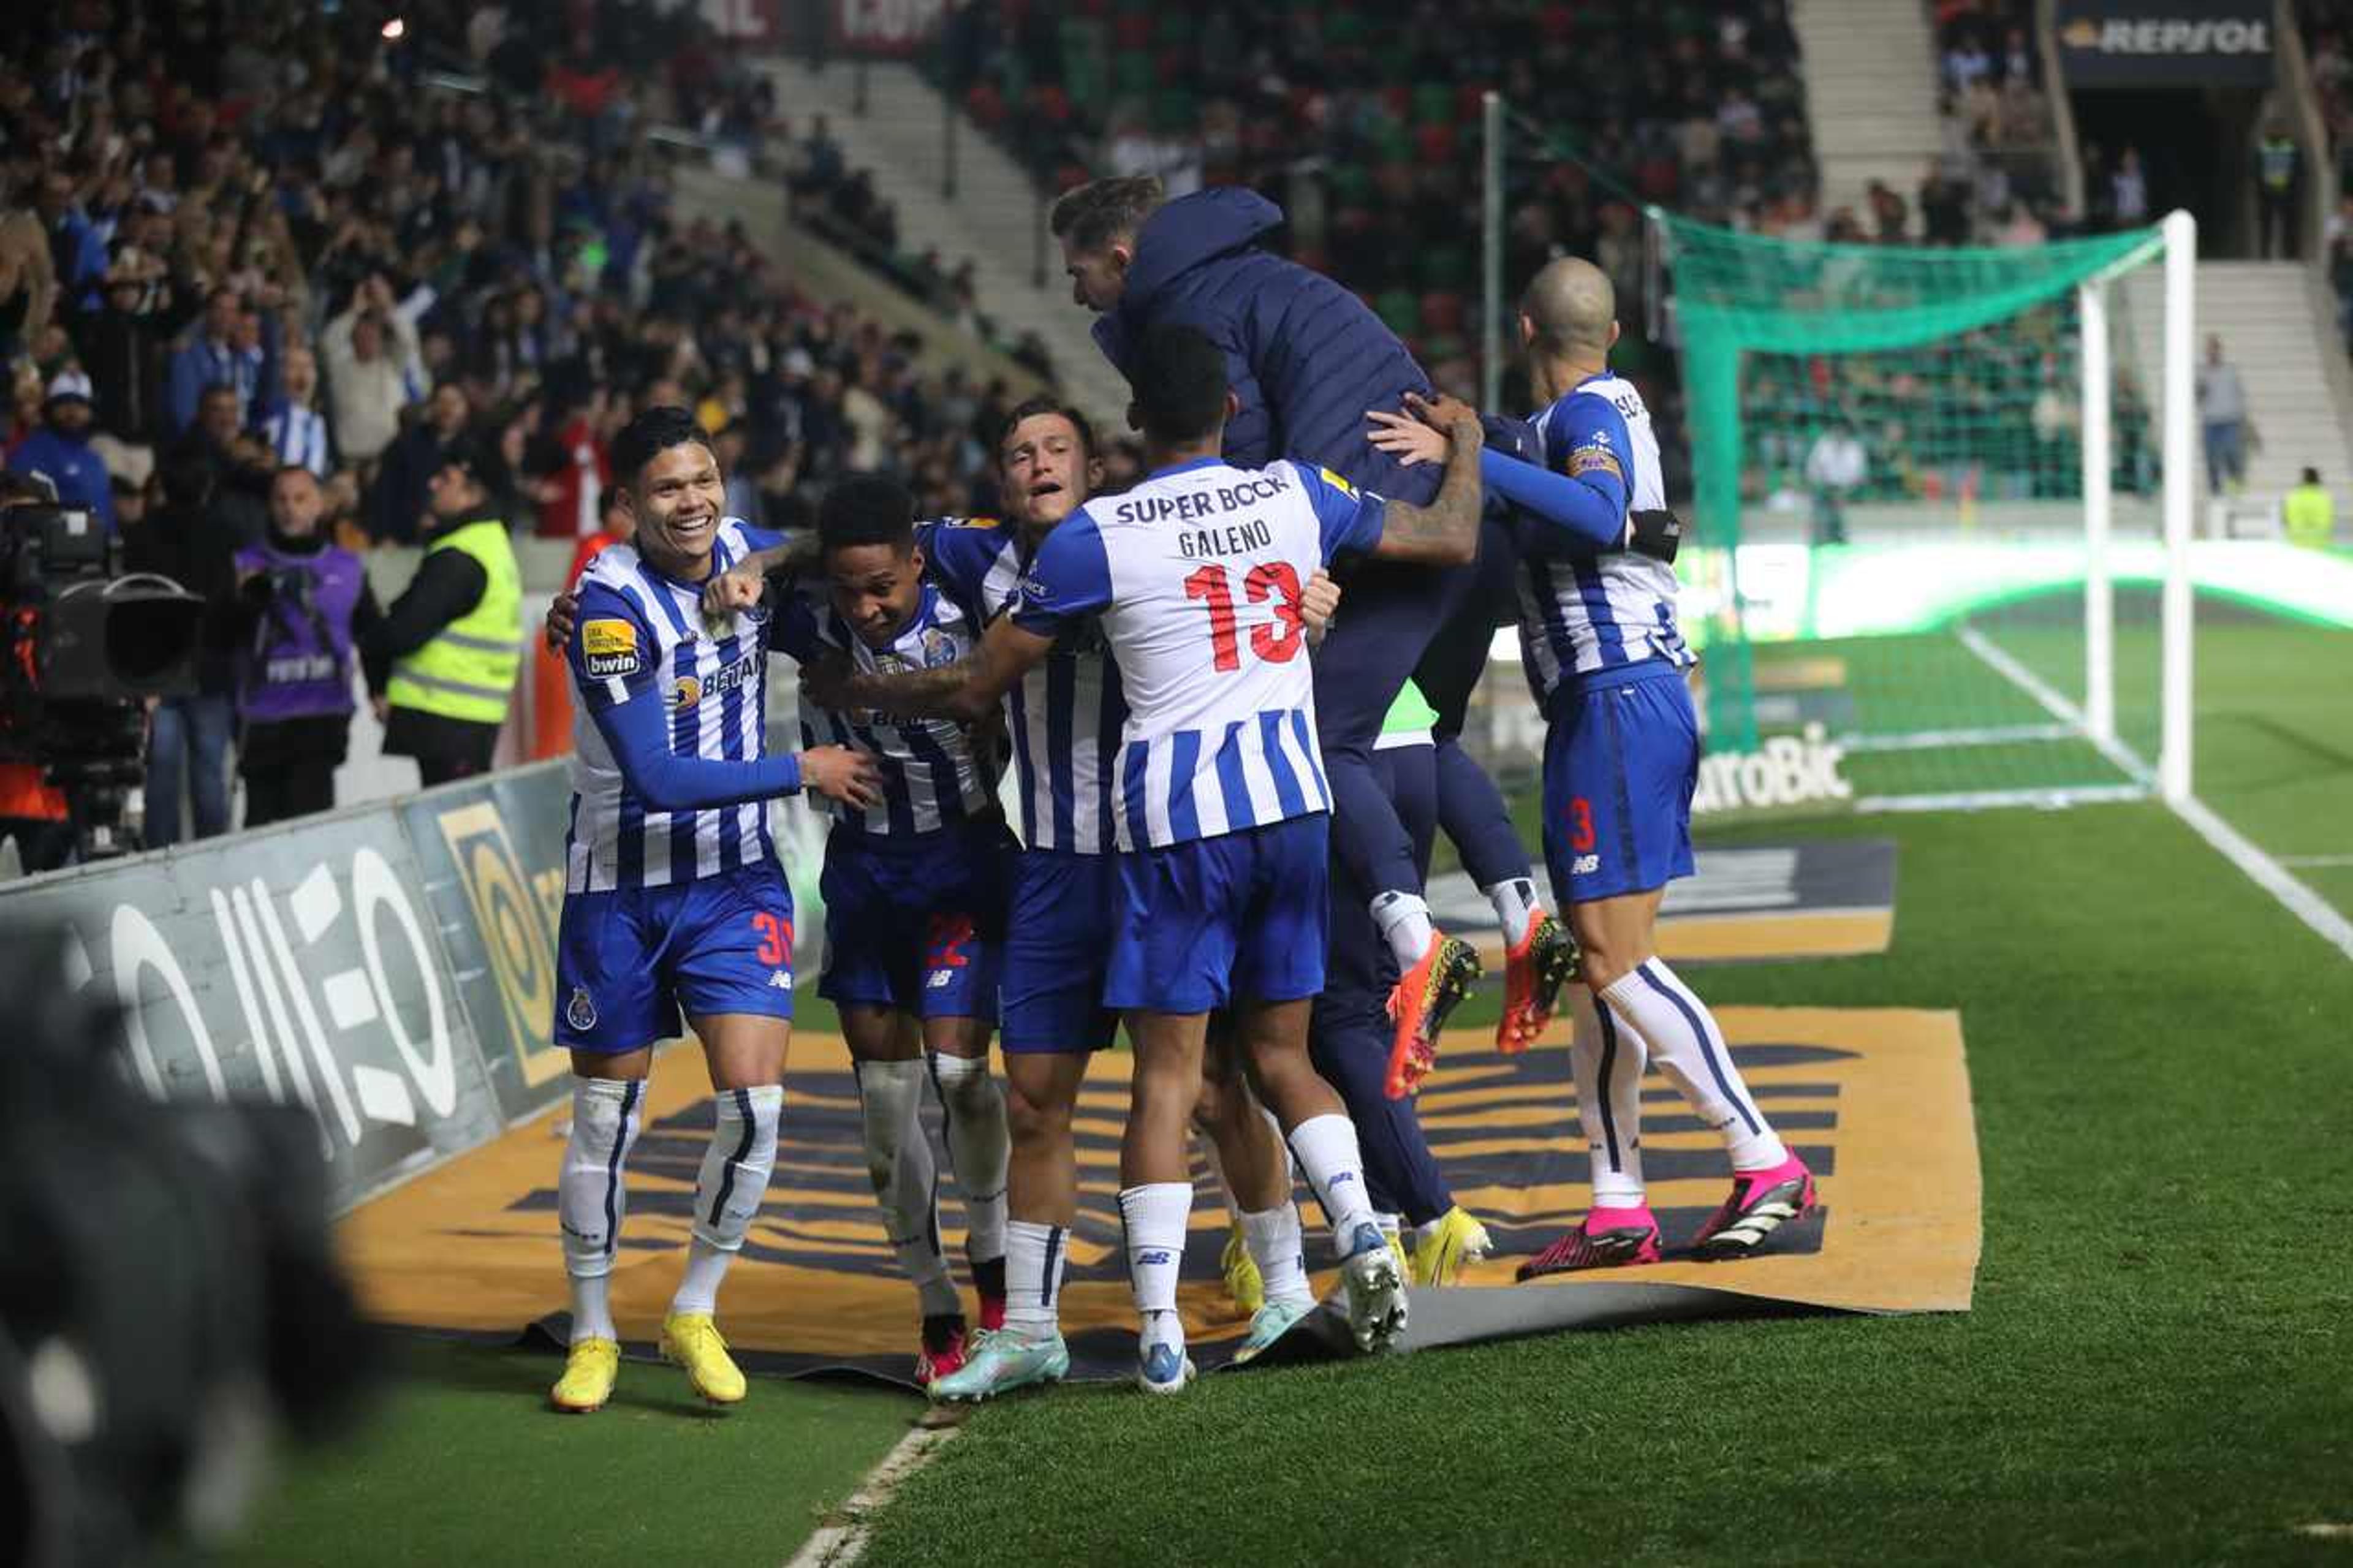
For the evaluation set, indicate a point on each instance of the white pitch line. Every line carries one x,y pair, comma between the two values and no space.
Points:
2052,799
2269,875
2266,873
841,1540
2314,861
1945,740
2053,703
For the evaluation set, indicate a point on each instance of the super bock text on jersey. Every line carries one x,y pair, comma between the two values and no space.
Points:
686,906
1219,798
915,885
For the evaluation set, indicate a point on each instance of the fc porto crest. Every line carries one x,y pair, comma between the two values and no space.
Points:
581,1011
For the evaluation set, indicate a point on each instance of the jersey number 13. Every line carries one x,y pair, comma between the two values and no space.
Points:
1274,580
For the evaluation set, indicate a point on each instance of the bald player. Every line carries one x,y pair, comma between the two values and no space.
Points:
1607,662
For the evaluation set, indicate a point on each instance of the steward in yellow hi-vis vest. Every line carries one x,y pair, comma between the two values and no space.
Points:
2309,513
455,636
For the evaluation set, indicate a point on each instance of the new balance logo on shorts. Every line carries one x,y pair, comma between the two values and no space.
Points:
1585,865
780,980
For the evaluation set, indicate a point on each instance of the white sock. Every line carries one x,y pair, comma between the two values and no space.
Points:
906,1180
727,1194
978,1148
590,1196
1154,1217
1326,1149
1608,1057
1273,1238
1515,898
1034,1258
1679,1035
1404,923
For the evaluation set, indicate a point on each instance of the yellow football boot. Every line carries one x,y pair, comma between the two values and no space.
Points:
1243,1281
589,1369
690,1340
1448,1246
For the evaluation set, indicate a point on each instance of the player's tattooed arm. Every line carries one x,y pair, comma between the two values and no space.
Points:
964,690
1446,532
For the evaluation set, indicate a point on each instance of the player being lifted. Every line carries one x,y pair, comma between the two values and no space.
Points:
914,888
1621,756
1218,796
673,896
1065,717
1305,357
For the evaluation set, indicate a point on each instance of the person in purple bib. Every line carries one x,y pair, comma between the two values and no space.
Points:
303,605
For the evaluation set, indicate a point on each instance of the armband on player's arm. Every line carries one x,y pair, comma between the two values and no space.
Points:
637,733
1593,511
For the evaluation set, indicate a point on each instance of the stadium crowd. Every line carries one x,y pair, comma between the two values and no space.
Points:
236,238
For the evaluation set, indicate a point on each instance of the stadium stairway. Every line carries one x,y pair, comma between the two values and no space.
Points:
993,218
2278,328
1871,97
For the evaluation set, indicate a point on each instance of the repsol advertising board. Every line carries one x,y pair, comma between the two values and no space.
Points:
2165,43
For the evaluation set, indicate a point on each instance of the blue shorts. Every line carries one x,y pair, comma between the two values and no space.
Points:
628,961
1241,917
1621,759
1057,952
917,924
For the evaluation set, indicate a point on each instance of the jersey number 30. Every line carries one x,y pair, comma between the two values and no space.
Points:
1275,580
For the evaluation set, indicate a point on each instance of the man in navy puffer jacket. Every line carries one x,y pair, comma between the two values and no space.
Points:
1307,359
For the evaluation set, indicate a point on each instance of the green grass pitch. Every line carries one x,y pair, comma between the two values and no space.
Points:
2155,1370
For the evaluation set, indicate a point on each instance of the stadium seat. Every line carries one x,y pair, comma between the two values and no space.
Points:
1442,310
1133,30
1435,144
1433,103
1131,73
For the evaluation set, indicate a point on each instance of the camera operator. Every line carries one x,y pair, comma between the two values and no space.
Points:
193,543
32,811
303,604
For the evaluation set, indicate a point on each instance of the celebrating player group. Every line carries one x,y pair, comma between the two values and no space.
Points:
1228,791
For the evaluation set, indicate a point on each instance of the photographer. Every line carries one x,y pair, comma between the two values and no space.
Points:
302,607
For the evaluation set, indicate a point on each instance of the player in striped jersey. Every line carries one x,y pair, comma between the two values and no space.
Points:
1218,798
1065,717
673,896
915,889
1608,665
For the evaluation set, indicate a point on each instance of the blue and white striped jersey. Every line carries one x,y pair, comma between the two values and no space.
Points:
1065,716
1195,574
1581,613
934,773
642,637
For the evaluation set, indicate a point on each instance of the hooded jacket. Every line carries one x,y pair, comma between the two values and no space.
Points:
1306,357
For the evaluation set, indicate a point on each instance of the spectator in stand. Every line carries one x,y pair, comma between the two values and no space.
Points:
2128,191
371,353
295,429
59,452
1835,470
454,637
215,352
399,503
302,607
76,246
578,473
2222,420
239,464
2276,164
122,343
28,284
189,541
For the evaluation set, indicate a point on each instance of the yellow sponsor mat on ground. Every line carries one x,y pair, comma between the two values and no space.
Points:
1877,1101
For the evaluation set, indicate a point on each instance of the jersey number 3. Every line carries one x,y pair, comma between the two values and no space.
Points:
1275,580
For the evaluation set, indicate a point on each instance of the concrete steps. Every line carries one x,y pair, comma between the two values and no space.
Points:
2276,332
1870,72
993,219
